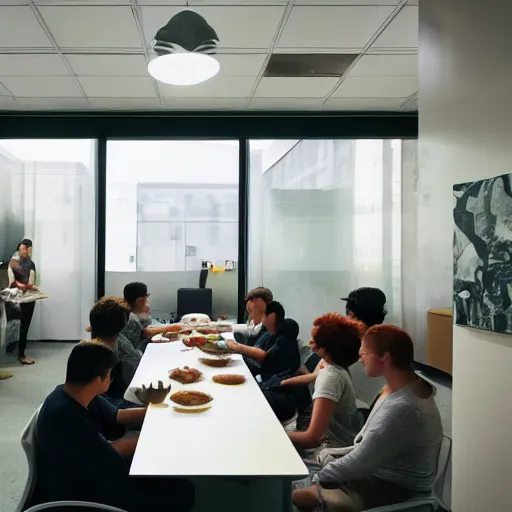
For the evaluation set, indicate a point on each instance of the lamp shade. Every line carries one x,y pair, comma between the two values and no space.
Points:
181,52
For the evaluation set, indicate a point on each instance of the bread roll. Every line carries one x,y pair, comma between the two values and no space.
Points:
229,379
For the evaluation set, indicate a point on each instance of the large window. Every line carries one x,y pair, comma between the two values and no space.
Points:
48,195
324,219
171,205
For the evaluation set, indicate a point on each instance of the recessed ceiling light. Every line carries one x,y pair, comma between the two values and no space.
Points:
181,51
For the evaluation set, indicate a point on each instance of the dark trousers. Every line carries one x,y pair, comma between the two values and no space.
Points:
27,311
160,494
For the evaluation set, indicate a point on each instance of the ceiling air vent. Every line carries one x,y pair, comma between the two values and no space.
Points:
308,64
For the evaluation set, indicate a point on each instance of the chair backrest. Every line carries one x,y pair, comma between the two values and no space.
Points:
79,506
443,482
28,443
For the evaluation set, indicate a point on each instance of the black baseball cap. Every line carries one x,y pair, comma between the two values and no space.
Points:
26,241
367,297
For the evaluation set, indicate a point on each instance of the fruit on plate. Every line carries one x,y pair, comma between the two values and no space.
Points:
216,363
185,375
229,379
191,398
195,339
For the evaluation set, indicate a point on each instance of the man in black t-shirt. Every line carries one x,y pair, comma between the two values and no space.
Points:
75,458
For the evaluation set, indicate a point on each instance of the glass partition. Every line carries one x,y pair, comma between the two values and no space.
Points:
48,195
172,209
324,219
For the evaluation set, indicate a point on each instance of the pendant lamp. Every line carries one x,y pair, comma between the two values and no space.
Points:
181,52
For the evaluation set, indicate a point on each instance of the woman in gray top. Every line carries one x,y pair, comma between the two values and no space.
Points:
394,458
335,419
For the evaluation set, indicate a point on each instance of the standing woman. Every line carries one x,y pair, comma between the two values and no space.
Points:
22,275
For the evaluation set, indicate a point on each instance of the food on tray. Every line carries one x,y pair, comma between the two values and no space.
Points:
194,318
208,331
229,379
216,363
194,339
185,375
215,345
191,398
152,395
170,336
174,328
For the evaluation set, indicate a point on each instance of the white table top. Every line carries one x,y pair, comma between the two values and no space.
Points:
238,436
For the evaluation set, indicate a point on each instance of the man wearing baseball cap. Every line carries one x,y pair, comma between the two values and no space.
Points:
366,305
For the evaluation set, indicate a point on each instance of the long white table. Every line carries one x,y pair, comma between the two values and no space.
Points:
239,436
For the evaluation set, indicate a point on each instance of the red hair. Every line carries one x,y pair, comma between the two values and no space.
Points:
394,341
339,336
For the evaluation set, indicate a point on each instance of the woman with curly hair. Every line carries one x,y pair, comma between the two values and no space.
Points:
394,457
334,419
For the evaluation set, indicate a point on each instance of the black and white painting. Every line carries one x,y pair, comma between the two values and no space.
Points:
482,254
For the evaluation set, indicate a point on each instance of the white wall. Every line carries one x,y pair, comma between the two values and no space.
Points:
465,117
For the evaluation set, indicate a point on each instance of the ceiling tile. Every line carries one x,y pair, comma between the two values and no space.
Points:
254,27
55,103
348,27
42,87
377,87
3,90
236,64
8,103
393,104
125,103
402,31
218,87
92,26
108,65
295,87
411,104
233,2
118,86
32,65
392,3
386,65
32,35
285,103
206,103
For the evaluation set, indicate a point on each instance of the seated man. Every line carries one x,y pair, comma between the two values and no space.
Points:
256,302
138,330
108,318
276,353
394,457
75,459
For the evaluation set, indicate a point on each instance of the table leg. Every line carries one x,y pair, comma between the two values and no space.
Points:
287,496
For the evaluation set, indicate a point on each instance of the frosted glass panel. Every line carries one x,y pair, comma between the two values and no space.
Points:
51,192
170,206
324,219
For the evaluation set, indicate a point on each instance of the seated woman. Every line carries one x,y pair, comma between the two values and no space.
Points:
396,458
335,419
274,354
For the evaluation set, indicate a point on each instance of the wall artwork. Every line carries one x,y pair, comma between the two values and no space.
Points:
482,254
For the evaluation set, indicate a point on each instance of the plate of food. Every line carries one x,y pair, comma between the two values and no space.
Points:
191,401
218,362
185,375
193,339
215,344
229,379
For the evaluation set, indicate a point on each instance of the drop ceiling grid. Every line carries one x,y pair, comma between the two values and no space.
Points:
103,65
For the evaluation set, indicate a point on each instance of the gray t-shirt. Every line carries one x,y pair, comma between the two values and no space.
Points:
334,383
400,444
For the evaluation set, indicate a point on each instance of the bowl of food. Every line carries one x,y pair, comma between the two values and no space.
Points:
220,362
215,344
191,401
194,339
151,395
185,375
